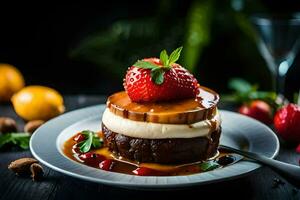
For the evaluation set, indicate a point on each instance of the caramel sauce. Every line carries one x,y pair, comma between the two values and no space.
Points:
122,165
184,111
122,100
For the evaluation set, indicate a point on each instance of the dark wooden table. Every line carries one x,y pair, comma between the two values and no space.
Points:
257,185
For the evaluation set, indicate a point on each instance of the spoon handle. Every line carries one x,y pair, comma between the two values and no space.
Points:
288,171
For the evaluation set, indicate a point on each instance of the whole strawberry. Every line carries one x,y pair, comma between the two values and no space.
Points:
259,110
153,79
287,123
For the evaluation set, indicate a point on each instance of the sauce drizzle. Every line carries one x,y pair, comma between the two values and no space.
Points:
102,158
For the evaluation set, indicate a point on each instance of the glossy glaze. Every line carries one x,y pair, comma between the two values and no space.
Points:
185,111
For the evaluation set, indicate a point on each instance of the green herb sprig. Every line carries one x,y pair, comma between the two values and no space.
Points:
91,141
208,166
244,92
157,72
18,139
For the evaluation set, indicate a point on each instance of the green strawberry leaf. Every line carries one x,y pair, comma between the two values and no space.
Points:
164,58
175,55
157,72
240,85
157,75
144,64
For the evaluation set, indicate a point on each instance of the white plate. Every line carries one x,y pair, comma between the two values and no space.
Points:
238,131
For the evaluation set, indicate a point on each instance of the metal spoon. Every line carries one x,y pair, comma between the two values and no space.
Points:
288,171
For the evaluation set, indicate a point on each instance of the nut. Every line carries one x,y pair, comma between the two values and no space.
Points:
8,125
22,165
37,171
31,126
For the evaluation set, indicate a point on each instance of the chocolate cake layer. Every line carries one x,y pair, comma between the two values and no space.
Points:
164,151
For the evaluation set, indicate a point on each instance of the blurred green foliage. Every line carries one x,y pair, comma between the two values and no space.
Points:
120,45
244,92
197,34
206,31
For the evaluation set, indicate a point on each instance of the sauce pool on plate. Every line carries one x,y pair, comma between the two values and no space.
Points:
103,159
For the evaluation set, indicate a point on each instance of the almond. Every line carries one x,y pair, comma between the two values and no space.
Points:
22,165
37,172
31,126
7,125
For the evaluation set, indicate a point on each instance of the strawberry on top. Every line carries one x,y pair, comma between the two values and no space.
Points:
153,79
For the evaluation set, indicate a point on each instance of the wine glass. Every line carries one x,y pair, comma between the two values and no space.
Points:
278,42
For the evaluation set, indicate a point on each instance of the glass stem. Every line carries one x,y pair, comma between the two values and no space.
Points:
280,83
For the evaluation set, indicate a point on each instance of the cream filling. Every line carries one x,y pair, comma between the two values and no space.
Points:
149,130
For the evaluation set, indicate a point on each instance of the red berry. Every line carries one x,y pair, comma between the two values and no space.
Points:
287,123
259,110
144,171
79,138
76,149
298,148
178,84
106,165
91,158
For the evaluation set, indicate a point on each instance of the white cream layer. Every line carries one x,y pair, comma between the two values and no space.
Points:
149,130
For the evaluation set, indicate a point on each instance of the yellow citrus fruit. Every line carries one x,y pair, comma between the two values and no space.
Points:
11,81
38,103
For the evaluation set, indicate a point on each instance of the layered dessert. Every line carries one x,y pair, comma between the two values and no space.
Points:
164,116
163,124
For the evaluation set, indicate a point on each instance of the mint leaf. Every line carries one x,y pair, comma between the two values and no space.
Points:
157,75
157,72
175,55
24,143
97,142
21,139
86,145
18,139
91,141
144,64
164,58
209,165
4,139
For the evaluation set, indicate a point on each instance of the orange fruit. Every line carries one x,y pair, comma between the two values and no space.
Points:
11,81
38,103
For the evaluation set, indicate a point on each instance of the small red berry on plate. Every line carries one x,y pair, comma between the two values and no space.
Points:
91,158
106,165
259,110
153,79
79,138
76,149
144,171
298,148
287,123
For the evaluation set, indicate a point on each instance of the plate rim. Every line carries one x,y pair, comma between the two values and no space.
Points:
144,185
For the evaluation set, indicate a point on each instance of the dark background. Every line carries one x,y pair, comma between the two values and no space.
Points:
40,40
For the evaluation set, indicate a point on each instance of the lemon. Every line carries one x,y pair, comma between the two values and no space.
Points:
11,81
38,103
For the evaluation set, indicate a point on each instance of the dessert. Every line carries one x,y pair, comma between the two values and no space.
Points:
163,116
163,124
